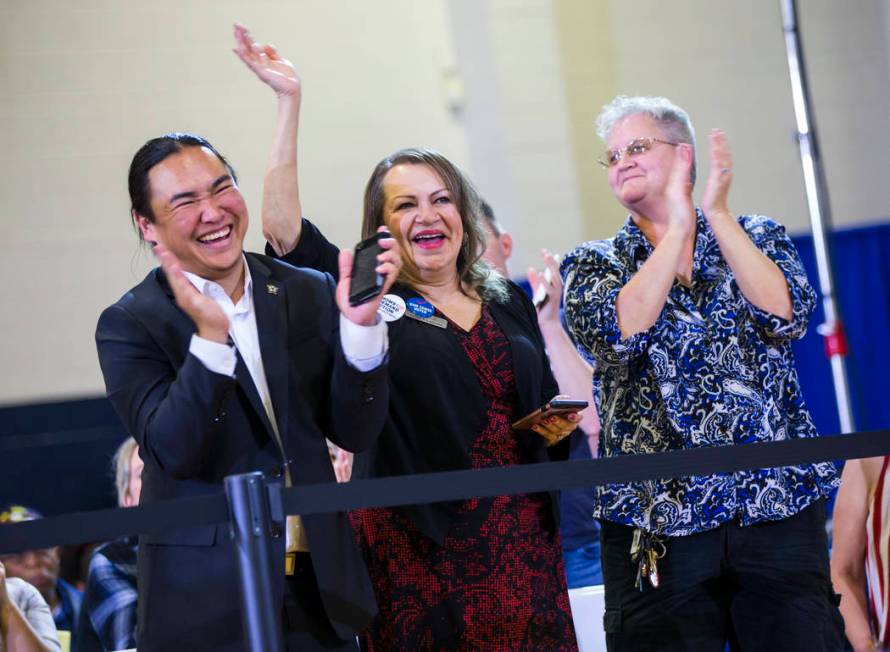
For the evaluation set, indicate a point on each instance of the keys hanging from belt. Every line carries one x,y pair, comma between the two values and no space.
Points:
645,551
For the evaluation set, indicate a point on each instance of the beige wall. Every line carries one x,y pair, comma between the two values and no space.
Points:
516,122
86,83
507,88
588,58
725,62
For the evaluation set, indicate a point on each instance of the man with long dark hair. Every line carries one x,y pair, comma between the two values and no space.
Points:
223,362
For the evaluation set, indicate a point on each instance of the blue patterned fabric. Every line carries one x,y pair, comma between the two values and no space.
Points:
713,370
108,615
68,609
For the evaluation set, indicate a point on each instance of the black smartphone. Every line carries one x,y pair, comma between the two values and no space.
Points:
366,283
557,405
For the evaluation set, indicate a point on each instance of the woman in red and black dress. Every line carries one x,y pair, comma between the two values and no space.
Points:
466,359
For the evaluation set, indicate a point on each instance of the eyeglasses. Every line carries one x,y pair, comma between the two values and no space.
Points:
633,148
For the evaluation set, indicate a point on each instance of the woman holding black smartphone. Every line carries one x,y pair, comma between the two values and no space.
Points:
466,361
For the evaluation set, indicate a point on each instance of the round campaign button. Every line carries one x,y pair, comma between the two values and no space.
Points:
392,307
420,307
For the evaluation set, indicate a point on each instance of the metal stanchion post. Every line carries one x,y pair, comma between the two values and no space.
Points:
251,525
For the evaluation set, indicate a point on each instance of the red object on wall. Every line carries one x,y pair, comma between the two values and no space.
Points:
834,339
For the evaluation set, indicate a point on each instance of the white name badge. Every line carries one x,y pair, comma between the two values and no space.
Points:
392,307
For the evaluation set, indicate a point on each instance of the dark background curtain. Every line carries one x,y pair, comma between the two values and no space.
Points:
862,283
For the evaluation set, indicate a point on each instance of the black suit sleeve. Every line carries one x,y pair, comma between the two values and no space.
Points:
169,412
359,405
359,400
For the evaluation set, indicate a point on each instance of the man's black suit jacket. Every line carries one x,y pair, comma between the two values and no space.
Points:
195,427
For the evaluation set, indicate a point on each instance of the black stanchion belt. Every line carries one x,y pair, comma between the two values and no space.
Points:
107,524
73,437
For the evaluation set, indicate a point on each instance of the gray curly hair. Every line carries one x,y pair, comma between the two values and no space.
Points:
673,121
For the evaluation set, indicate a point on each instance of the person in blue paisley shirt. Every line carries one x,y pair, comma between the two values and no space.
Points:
689,313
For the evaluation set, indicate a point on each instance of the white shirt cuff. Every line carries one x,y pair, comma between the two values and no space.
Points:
364,346
218,358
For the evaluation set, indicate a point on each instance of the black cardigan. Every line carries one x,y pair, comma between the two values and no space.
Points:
436,405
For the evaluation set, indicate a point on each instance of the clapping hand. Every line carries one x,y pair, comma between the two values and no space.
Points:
681,209
713,201
553,428
549,283
209,318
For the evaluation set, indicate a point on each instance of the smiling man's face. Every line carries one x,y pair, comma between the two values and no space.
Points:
199,213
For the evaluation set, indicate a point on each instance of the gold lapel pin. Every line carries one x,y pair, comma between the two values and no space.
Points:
271,288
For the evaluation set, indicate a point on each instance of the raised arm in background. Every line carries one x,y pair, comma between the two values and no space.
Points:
281,212
573,374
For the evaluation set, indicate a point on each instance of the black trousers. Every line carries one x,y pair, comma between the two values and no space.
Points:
306,625
762,587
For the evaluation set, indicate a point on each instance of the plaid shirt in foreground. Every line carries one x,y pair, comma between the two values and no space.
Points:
108,614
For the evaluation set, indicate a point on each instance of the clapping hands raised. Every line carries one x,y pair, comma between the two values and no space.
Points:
713,201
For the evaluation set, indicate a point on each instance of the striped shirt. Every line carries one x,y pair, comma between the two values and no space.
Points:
877,556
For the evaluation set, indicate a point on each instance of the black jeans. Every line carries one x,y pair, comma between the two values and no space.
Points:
758,588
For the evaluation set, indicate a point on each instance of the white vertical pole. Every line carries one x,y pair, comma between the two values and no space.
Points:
817,198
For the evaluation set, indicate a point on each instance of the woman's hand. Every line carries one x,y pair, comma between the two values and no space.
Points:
550,285
282,212
263,59
556,428
389,264
678,192
713,200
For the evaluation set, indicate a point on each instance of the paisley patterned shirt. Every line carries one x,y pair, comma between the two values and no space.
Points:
714,370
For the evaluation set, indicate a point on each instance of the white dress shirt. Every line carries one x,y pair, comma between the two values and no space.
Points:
364,347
